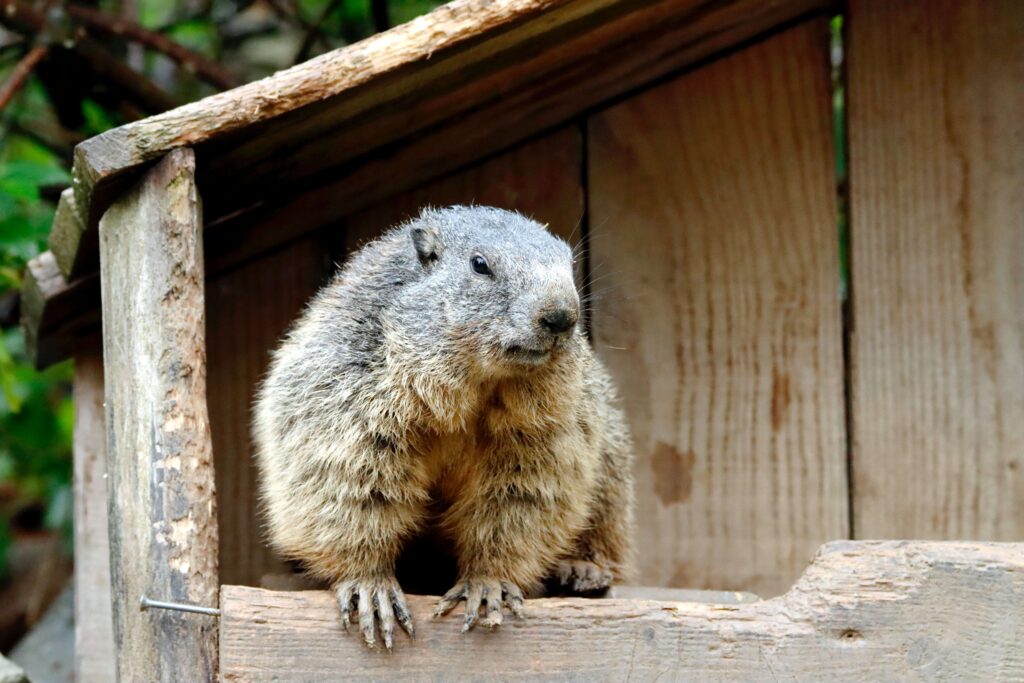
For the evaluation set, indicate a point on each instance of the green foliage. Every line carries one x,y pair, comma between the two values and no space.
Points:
35,407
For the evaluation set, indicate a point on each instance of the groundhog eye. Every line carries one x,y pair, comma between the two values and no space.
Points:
479,264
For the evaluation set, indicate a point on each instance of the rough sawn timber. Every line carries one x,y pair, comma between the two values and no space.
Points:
162,512
863,611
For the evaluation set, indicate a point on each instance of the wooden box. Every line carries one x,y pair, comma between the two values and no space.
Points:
805,355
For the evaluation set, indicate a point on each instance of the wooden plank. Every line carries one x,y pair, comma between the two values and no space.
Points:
937,223
248,310
715,262
540,178
94,626
66,231
273,136
864,611
163,517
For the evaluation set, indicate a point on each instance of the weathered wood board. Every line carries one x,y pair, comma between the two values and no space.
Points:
936,119
64,234
716,284
94,626
248,310
864,611
162,507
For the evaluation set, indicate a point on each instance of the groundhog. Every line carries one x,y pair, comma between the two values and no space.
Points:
441,381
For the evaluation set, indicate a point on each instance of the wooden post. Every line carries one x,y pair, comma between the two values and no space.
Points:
94,636
163,524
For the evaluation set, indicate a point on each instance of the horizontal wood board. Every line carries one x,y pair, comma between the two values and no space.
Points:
864,611
716,306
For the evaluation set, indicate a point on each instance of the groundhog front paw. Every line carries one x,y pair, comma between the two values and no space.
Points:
486,592
376,603
583,576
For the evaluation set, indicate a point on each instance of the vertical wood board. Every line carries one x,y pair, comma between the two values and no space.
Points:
94,626
716,283
162,508
248,311
936,112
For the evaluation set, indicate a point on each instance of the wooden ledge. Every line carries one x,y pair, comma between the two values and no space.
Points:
863,611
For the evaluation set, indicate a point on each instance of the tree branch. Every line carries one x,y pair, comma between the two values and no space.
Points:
191,61
22,18
290,13
314,32
20,75
379,12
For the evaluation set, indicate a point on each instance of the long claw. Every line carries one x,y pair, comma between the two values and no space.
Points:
449,600
402,611
366,620
473,597
386,617
514,599
492,602
345,593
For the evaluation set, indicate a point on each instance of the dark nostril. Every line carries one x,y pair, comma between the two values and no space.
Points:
558,321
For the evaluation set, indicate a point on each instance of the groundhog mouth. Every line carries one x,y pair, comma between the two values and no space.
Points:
527,355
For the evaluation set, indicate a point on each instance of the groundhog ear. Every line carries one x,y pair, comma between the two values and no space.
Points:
427,243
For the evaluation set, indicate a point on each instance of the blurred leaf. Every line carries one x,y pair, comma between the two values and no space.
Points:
97,119
8,380
199,35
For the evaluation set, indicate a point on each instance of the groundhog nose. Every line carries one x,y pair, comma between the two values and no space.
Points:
558,321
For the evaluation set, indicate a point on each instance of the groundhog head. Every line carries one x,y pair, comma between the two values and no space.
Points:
498,287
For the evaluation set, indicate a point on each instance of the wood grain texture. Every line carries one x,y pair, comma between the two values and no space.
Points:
540,179
936,106
94,626
248,310
162,507
864,611
715,267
